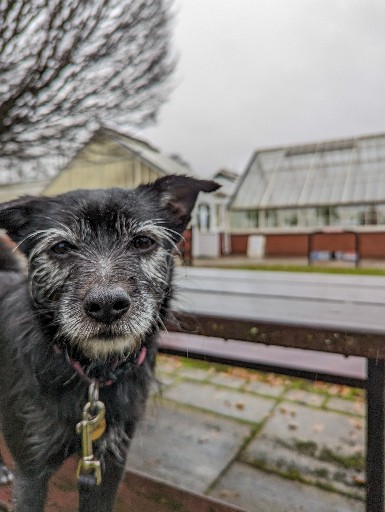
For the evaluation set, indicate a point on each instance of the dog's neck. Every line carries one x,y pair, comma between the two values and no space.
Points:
107,375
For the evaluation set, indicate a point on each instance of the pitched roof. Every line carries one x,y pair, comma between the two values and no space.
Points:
346,171
9,191
150,154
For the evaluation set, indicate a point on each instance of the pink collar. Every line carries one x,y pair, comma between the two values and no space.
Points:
80,371
142,356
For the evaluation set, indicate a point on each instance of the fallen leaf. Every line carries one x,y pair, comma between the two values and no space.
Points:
356,423
359,479
227,493
153,461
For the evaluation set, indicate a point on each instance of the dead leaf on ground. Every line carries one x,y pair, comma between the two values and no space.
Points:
356,423
359,480
154,461
228,493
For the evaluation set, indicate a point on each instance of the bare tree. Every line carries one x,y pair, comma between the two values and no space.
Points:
67,66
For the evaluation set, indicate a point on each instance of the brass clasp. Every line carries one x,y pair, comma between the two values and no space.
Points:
91,428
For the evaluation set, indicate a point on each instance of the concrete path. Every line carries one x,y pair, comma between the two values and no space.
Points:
262,442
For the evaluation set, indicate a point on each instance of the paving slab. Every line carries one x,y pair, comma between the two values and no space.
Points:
184,447
272,455
238,405
305,397
265,388
349,406
169,365
330,436
225,379
257,491
317,446
165,379
194,373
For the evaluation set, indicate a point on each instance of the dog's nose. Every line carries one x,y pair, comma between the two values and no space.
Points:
106,305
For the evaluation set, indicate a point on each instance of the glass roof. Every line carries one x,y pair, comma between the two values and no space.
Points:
328,173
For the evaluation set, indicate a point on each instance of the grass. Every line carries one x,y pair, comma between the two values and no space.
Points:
320,388
355,461
308,448
309,269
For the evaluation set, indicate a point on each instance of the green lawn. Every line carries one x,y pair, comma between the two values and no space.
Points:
317,269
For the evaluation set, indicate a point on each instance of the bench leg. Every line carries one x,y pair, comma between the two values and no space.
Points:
375,399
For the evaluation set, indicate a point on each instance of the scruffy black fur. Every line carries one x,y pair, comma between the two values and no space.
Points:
97,289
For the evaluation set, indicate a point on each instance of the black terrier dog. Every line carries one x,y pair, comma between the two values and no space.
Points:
86,315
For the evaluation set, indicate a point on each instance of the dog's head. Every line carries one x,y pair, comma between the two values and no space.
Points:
100,261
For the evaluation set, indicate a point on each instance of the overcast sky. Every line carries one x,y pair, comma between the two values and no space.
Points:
258,73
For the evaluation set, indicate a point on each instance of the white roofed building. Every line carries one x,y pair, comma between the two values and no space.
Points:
333,183
289,193
210,217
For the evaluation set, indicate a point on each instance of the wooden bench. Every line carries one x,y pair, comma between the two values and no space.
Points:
337,314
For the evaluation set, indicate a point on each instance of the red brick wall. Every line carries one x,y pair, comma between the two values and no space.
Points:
286,245
334,242
372,245
239,244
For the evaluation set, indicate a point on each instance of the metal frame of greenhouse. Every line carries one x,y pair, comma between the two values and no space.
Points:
332,183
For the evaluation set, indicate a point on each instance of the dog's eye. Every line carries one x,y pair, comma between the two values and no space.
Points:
143,243
61,248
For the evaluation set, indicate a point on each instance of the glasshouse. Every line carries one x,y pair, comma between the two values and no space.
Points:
335,183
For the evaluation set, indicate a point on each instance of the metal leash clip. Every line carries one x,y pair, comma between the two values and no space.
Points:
91,428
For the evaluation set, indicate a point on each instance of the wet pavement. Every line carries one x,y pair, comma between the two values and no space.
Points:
262,442
255,441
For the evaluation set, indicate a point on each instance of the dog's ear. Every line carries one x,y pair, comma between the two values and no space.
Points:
177,194
17,216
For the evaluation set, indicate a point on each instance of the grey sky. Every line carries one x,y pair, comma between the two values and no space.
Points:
257,73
